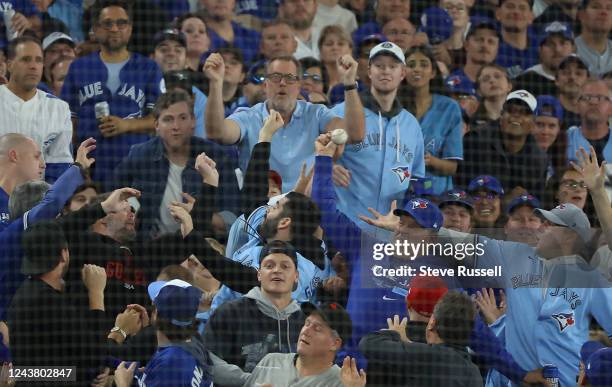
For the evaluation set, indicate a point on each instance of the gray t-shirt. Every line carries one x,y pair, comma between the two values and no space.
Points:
172,193
599,63
279,369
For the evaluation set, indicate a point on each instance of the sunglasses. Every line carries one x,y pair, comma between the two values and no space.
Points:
256,79
314,77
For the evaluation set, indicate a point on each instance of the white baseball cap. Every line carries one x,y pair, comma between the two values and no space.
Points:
54,37
525,96
388,48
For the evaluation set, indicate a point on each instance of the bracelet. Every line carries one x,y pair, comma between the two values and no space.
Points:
350,87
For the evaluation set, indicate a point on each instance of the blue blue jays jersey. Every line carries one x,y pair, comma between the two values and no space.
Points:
4,211
515,60
381,165
85,85
442,128
173,366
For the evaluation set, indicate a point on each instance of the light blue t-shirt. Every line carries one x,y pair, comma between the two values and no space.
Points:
199,109
575,140
442,128
291,145
113,81
380,170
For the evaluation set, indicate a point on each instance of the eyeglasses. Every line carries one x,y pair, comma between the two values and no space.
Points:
290,79
573,184
256,79
120,23
484,195
594,98
314,77
513,109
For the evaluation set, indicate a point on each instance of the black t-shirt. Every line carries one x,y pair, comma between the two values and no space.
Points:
599,145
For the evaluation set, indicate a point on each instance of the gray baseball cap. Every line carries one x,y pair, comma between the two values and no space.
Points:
568,215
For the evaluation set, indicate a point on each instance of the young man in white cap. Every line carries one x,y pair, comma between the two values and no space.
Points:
378,169
507,149
181,359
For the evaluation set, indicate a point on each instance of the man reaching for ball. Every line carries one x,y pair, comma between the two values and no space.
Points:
377,171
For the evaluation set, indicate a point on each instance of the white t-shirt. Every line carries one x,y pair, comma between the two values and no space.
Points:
306,49
336,15
44,118
172,193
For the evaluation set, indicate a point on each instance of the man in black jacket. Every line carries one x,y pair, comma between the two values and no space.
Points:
506,149
443,361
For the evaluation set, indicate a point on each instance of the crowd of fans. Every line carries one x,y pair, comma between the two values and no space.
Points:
199,192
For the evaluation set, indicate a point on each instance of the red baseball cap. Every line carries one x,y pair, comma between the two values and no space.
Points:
424,294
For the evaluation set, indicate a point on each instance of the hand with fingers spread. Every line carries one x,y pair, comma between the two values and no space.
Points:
593,174
182,217
85,148
387,222
487,304
124,376
341,176
214,68
350,376
207,169
324,146
399,326
304,182
271,125
118,199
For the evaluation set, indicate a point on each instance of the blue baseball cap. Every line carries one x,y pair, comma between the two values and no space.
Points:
549,106
437,24
556,28
588,349
460,84
599,368
176,301
523,200
456,196
423,211
480,23
486,182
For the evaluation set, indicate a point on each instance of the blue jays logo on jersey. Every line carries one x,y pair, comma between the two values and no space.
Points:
403,173
564,320
419,204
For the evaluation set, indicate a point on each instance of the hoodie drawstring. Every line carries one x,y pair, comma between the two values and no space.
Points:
280,347
288,339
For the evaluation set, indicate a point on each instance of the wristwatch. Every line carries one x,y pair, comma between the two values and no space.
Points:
350,87
117,329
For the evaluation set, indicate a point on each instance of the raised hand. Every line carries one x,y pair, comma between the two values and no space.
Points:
118,199
84,149
488,306
350,376
593,174
272,124
304,183
94,278
324,146
124,376
207,169
182,217
399,326
387,222
214,68
347,68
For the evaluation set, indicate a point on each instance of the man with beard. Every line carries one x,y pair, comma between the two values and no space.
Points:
594,104
392,152
224,31
570,77
303,121
481,46
593,45
300,15
507,150
556,43
126,81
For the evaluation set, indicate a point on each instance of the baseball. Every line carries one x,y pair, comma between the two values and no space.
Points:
339,136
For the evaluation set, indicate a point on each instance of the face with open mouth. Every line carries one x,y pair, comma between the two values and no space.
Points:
316,337
487,208
277,274
572,189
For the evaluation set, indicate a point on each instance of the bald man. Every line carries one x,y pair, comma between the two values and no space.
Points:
20,160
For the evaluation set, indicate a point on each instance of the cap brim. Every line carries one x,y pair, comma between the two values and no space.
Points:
387,53
154,288
552,218
459,202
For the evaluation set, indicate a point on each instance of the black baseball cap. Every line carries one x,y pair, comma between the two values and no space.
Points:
279,247
482,23
335,316
170,34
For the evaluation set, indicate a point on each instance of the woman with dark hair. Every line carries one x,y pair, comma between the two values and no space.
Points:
198,42
314,80
438,115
